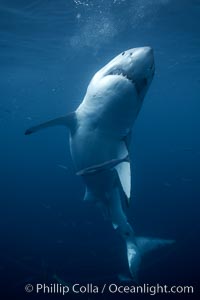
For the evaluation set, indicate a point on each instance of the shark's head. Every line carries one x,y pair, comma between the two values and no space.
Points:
133,68
116,92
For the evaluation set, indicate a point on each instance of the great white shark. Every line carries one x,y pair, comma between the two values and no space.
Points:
100,136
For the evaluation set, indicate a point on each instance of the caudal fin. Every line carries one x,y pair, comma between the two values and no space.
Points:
138,248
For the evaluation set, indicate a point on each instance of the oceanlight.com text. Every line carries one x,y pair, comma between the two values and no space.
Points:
55,288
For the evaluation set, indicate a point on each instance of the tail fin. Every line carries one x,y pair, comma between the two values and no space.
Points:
68,121
138,248
149,244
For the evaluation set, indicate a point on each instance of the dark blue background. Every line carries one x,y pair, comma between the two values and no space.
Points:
49,51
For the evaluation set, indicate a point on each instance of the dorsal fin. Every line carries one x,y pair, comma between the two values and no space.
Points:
69,121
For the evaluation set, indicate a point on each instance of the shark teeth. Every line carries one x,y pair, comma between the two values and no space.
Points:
120,73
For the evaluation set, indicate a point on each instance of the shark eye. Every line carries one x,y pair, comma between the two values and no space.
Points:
123,53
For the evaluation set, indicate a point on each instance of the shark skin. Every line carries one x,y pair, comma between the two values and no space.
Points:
100,135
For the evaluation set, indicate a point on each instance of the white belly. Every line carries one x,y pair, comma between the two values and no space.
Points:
92,147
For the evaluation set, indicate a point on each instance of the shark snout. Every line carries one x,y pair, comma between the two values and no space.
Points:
146,54
142,68
148,50
144,51
142,59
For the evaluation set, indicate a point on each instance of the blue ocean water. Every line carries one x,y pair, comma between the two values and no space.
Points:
49,50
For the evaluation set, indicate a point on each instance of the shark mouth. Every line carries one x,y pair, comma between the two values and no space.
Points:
119,72
139,84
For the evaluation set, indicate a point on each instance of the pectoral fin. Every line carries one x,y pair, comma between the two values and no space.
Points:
124,173
68,121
